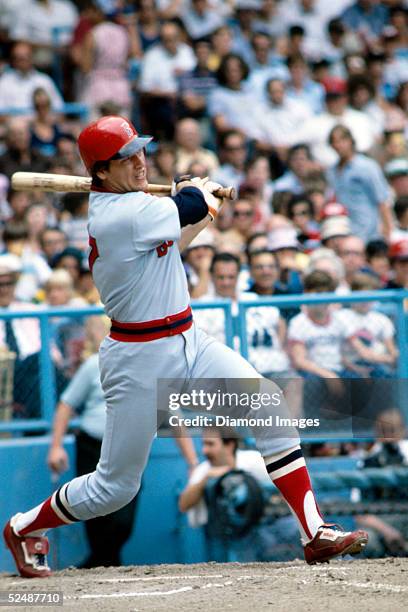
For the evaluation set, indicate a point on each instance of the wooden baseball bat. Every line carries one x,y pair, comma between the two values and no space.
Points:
32,181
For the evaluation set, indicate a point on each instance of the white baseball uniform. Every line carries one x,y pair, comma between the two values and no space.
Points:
137,269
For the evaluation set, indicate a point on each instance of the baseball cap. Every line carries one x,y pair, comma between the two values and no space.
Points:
399,250
396,167
248,5
335,226
204,239
333,209
283,238
10,264
335,86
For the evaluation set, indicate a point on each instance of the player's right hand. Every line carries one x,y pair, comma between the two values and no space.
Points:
57,459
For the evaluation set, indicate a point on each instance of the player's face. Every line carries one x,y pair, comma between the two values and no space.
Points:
125,175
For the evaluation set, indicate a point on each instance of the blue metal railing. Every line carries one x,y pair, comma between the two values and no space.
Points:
397,297
234,326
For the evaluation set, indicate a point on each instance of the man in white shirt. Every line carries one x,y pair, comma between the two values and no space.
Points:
37,24
220,449
18,83
315,131
161,65
282,116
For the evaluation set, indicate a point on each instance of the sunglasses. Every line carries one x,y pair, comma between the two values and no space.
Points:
243,213
7,284
264,267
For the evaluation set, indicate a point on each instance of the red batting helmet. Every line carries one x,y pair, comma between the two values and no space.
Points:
109,137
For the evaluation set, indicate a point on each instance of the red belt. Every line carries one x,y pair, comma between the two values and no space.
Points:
152,330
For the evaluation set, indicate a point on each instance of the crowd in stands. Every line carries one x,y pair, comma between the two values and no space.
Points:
302,105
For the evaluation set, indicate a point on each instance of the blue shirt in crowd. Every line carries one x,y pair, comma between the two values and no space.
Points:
360,185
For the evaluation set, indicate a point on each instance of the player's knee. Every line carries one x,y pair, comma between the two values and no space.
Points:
113,495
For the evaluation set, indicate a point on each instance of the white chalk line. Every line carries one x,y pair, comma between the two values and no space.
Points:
134,594
375,586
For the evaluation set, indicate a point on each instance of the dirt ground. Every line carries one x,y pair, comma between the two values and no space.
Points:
288,587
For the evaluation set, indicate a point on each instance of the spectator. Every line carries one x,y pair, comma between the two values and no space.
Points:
377,259
256,242
265,328
66,333
396,172
19,82
316,334
74,220
159,87
35,218
352,253
258,180
36,25
242,28
301,213
399,265
52,241
267,278
70,259
362,94
45,131
233,153
265,66
326,260
19,202
189,149
390,449
18,155
229,105
196,85
282,117
22,337
201,19
301,87
283,242
164,161
333,231
367,18
242,223
401,214
370,348
222,455
221,43
33,270
197,258
148,24
105,51
359,184
316,130
300,166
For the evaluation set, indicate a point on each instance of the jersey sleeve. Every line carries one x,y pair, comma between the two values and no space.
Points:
157,220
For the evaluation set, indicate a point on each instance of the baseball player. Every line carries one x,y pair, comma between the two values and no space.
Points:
135,241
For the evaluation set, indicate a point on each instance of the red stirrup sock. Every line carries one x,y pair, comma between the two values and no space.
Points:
289,474
53,512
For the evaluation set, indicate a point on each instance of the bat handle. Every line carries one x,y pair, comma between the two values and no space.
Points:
229,193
